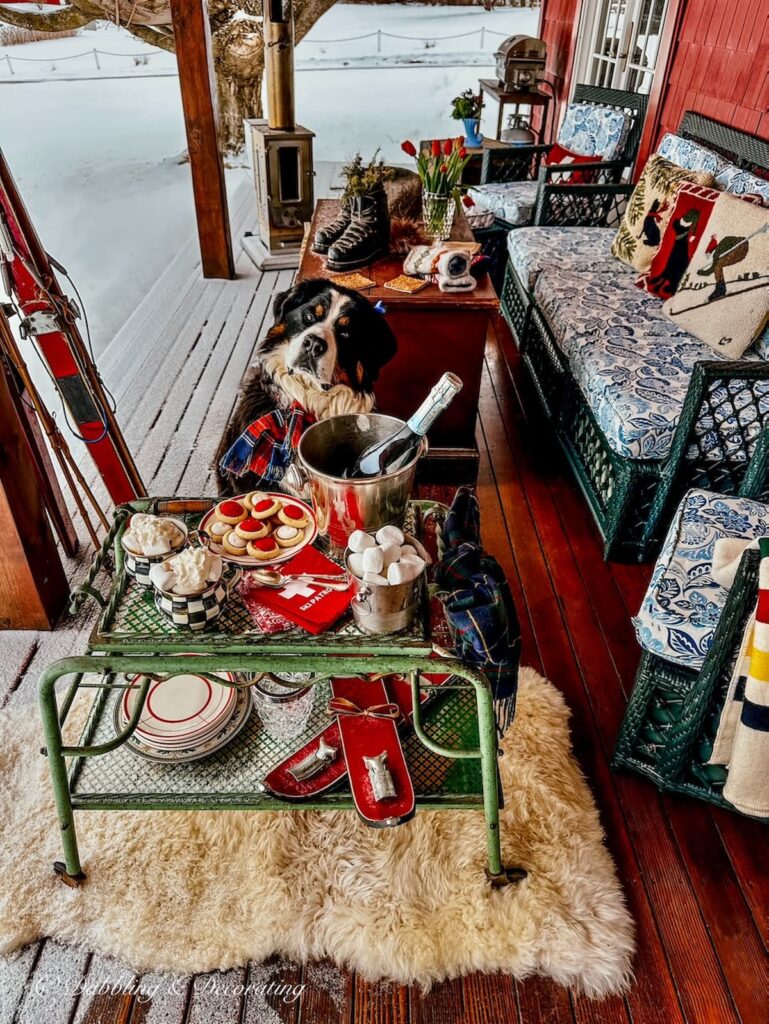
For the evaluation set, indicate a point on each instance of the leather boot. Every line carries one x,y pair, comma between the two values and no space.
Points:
325,237
367,237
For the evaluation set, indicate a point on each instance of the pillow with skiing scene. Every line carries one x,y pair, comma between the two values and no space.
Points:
691,213
649,209
723,297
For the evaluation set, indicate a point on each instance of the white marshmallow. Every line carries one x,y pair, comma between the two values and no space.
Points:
391,553
407,550
405,571
355,564
389,535
358,541
373,559
421,550
375,578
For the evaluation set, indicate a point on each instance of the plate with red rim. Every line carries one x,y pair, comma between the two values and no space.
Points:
247,561
181,710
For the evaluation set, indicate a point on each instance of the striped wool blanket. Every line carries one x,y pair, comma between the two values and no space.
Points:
742,740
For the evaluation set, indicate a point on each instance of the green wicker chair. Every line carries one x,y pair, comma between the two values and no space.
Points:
631,499
671,720
560,203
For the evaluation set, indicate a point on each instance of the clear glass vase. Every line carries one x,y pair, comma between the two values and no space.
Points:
438,215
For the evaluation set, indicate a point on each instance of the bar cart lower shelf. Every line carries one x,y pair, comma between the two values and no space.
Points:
451,752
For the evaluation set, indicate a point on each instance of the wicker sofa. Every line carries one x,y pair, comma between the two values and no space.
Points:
647,411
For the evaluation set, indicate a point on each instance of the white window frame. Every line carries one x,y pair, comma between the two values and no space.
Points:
624,25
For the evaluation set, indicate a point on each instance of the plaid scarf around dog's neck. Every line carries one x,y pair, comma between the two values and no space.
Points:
268,445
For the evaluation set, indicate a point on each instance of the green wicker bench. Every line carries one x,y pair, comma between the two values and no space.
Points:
631,499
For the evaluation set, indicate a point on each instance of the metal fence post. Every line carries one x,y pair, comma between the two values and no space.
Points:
96,58
379,40
10,66
483,36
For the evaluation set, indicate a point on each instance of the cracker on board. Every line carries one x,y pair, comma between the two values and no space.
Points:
405,283
356,281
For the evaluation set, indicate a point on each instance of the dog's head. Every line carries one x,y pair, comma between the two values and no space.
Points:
330,332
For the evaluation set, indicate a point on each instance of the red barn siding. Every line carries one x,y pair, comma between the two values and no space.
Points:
717,63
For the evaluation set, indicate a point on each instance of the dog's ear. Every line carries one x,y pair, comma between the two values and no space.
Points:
296,296
380,344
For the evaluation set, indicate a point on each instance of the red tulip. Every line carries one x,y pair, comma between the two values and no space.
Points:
459,141
409,147
436,147
443,168
468,201
447,146
462,152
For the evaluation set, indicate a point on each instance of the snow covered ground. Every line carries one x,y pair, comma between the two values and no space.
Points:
95,157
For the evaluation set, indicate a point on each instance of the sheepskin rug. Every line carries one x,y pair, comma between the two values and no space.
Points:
199,891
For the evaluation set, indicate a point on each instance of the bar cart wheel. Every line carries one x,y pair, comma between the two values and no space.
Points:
507,876
73,881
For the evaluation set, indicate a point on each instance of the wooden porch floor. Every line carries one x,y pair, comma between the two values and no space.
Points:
695,877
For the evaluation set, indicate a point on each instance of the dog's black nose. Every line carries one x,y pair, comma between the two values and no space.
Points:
315,346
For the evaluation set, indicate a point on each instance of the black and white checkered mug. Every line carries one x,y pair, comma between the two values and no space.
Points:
195,611
139,566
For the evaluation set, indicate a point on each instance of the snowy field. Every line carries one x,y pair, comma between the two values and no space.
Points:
95,156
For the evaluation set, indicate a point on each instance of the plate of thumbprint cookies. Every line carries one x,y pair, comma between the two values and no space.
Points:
260,528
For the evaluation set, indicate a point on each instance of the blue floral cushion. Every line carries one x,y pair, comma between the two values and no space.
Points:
632,364
513,201
591,129
742,183
532,250
683,603
690,155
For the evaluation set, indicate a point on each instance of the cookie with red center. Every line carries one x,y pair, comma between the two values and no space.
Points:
264,549
264,508
252,529
293,515
231,512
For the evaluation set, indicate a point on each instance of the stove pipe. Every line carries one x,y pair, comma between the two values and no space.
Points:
279,63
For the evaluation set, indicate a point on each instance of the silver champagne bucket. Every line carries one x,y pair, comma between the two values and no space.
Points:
341,506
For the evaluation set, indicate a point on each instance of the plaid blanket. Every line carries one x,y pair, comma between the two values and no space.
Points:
267,446
479,606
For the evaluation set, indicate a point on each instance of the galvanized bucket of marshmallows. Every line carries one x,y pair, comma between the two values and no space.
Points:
342,505
387,570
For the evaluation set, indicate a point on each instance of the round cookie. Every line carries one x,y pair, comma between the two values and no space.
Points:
251,499
230,512
264,549
264,508
288,536
252,529
217,531
293,515
234,545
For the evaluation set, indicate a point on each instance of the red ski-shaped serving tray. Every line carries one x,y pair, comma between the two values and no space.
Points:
303,774
377,772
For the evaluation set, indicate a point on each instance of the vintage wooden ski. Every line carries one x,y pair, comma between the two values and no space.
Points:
48,319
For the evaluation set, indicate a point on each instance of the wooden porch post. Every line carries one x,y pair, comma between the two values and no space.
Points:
201,120
33,587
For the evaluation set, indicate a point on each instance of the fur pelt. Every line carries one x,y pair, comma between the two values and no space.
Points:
196,891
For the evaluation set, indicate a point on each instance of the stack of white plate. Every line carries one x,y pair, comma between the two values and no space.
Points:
185,717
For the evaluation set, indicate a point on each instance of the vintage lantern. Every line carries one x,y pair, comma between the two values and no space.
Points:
521,63
280,151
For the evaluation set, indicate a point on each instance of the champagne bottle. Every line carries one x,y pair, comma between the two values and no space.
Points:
395,451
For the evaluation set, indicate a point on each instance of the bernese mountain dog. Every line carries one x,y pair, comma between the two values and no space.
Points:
332,334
